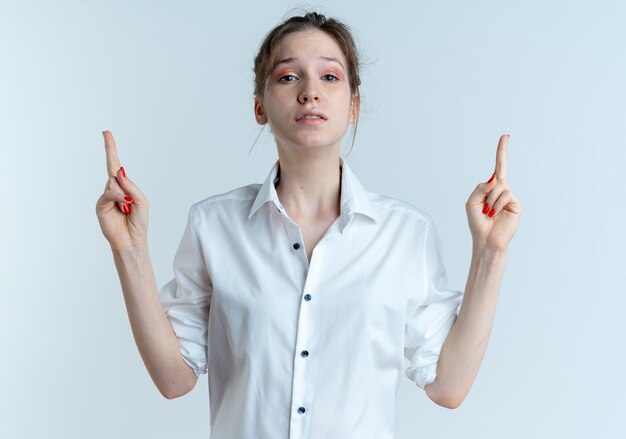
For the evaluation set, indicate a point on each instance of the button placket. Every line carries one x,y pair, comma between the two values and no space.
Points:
305,363
297,245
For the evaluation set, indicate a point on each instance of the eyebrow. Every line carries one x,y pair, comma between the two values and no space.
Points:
325,58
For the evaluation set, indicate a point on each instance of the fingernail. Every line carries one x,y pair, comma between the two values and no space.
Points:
486,207
123,172
493,211
126,209
127,198
491,179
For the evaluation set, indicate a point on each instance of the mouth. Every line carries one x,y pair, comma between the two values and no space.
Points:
311,116
316,120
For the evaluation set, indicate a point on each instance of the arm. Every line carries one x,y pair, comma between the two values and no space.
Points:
122,212
153,333
493,214
464,348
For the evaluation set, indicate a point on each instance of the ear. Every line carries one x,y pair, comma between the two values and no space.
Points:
355,107
259,112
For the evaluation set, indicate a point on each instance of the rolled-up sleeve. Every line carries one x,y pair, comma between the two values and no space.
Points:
431,313
187,297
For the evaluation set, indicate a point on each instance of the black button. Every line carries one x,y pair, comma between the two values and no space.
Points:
307,297
296,246
301,410
305,353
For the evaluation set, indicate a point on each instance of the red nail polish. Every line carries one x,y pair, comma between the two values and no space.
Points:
123,172
126,209
486,207
493,211
490,180
127,198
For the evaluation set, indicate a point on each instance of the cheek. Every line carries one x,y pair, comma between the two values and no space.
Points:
275,95
350,105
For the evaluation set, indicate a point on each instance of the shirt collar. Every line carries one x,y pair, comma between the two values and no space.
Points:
354,198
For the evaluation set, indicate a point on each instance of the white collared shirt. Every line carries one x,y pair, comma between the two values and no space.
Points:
297,350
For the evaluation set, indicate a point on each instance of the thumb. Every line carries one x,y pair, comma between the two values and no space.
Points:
485,188
128,186
482,189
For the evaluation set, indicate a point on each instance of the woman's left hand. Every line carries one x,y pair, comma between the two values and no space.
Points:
493,211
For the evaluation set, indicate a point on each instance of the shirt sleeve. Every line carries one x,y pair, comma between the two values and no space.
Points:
430,314
187,297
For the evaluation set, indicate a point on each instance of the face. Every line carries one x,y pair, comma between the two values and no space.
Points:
311,77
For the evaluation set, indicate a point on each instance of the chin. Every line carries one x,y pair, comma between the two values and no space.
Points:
307,140
315,145
316,141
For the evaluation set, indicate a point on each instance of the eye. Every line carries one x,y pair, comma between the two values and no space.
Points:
286,76
332,76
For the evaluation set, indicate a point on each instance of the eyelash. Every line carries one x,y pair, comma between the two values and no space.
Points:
328,74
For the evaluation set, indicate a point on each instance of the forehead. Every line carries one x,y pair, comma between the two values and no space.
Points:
310,43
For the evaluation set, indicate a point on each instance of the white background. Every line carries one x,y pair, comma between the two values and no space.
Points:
441,82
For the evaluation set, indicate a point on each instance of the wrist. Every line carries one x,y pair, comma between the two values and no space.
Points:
487,251
132,251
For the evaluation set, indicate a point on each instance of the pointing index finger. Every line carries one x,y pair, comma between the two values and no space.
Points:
501,157
113,161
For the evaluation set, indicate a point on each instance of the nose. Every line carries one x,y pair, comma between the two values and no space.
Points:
309,92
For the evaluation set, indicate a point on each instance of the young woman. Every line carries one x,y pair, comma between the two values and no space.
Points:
302,296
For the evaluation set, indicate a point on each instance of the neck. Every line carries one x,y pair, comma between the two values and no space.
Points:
310,187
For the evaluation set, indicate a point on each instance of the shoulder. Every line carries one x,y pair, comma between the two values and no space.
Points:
238,199
392,208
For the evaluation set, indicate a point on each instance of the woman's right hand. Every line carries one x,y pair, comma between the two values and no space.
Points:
125,229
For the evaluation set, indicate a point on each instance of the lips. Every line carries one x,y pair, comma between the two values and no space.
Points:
310,113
